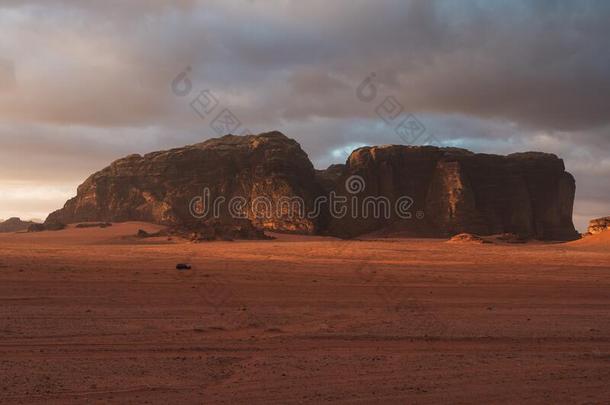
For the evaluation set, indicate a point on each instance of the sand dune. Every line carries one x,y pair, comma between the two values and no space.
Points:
94,315
600,240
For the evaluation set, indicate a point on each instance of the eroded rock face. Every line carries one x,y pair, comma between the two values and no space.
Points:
455,191
436,192
599,225
160,186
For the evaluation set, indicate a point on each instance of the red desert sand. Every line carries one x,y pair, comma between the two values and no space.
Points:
98,315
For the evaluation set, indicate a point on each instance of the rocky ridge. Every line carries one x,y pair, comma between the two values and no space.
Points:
437,192
14,225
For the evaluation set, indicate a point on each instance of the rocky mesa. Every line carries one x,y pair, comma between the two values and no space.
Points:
161,187
456,191
429,191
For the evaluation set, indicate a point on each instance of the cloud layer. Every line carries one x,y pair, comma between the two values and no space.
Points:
83,83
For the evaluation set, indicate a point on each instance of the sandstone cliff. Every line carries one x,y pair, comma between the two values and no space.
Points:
159,187
431,191
454,191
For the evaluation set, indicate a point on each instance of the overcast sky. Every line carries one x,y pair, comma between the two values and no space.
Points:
83,83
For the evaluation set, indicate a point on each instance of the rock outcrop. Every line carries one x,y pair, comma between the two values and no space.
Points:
48,226
94,225
14,225
468,238
177,187
455,191
403,190
599,225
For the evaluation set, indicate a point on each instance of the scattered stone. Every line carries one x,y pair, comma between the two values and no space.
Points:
467,238
511,238
51,226
54,226
183,266
94,225
143,234
221,230
36,228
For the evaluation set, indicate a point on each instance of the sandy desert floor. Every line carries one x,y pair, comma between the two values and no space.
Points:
97,316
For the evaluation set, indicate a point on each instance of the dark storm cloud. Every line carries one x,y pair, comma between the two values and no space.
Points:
114,8
544,64
93,78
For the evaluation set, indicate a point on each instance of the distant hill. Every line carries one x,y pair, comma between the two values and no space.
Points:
14,225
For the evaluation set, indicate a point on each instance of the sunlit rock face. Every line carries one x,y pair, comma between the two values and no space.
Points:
599,225
434,192
160,186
